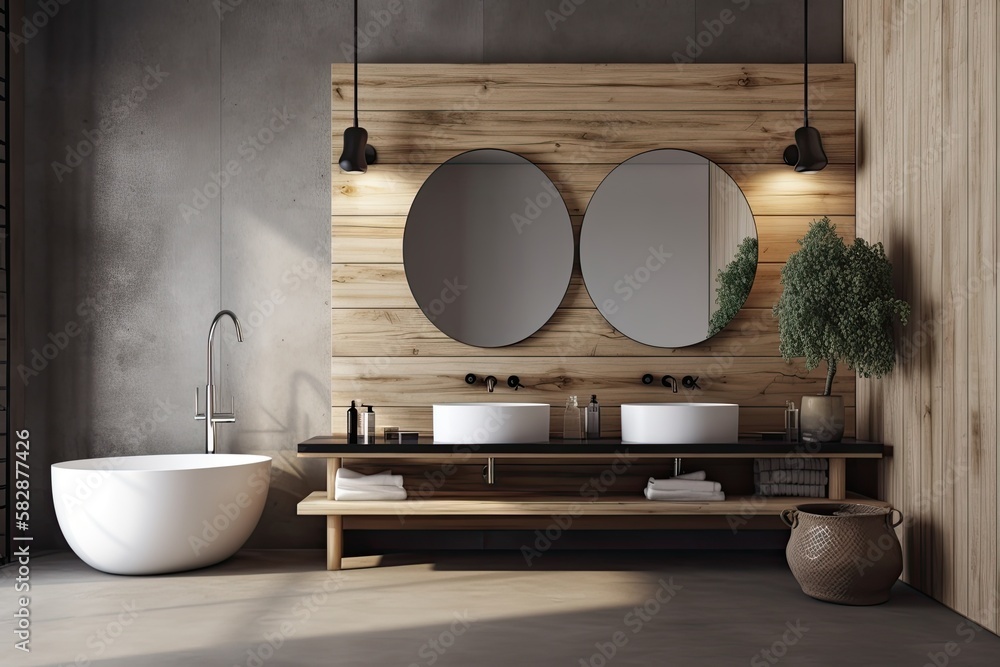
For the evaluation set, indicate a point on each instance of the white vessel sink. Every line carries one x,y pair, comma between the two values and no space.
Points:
491,423
680,423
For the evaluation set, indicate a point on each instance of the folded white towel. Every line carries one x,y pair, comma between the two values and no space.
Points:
699,475
370,493
695,496
350,485
356,480
675,484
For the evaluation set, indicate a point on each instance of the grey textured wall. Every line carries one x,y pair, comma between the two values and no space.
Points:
134,240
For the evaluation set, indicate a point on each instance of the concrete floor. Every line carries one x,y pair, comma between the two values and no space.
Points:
475,609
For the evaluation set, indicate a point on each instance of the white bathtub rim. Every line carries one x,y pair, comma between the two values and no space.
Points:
177,462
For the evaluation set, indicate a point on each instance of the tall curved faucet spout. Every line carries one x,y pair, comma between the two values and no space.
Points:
210,416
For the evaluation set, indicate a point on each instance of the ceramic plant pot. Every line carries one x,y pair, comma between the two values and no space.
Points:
822,418
846,553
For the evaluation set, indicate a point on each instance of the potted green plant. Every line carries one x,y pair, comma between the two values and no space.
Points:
837,305
734,282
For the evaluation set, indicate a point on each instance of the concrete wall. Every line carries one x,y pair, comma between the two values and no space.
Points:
134,240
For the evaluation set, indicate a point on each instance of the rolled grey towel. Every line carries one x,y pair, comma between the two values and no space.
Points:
790,463
803,490
793,477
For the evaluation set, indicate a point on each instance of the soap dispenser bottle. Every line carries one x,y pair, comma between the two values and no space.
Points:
572,420
368,425
352,425
791,422
593,419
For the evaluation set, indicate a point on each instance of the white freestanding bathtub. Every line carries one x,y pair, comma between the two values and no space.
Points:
161,513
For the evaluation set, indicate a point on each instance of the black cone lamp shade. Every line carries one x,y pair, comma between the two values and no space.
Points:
806,154
357,153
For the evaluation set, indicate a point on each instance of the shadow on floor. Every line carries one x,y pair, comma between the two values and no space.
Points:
484,609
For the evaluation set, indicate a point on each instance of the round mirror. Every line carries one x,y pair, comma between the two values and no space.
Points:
488,248
656,234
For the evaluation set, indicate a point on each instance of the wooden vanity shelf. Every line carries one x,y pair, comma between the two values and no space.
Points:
335,450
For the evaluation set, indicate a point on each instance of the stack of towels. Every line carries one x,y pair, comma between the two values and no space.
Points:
690,486
352,485
790,477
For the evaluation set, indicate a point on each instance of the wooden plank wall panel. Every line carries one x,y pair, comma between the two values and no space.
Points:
592,87
932,541
749,381
983,47
385,286
572,332
955,249
928,90
373,239
896,235
596,137
770,189
996,260
577,122
910,267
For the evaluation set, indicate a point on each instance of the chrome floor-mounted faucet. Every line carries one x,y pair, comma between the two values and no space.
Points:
210,416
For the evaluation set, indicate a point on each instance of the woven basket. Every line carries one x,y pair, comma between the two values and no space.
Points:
846,553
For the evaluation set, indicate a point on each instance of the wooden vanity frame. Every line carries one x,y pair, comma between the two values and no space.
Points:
335,450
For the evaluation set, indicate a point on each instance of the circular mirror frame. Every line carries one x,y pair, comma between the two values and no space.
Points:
713,278
546,200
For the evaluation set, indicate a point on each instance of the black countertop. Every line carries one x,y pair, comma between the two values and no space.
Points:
330,445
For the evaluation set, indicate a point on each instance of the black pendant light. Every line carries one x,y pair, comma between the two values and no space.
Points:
357,153
806,154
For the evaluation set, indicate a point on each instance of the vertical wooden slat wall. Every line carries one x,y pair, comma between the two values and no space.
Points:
928,90
577,122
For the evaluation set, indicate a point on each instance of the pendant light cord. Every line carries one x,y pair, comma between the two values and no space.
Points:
355,63
805,61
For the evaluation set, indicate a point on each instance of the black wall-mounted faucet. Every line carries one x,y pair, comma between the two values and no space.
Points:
514,383
490,380
671,383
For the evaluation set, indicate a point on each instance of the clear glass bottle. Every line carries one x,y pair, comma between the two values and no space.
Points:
368,426
572,420
791,422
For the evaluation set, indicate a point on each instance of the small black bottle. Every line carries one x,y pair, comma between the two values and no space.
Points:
593,419
352,425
